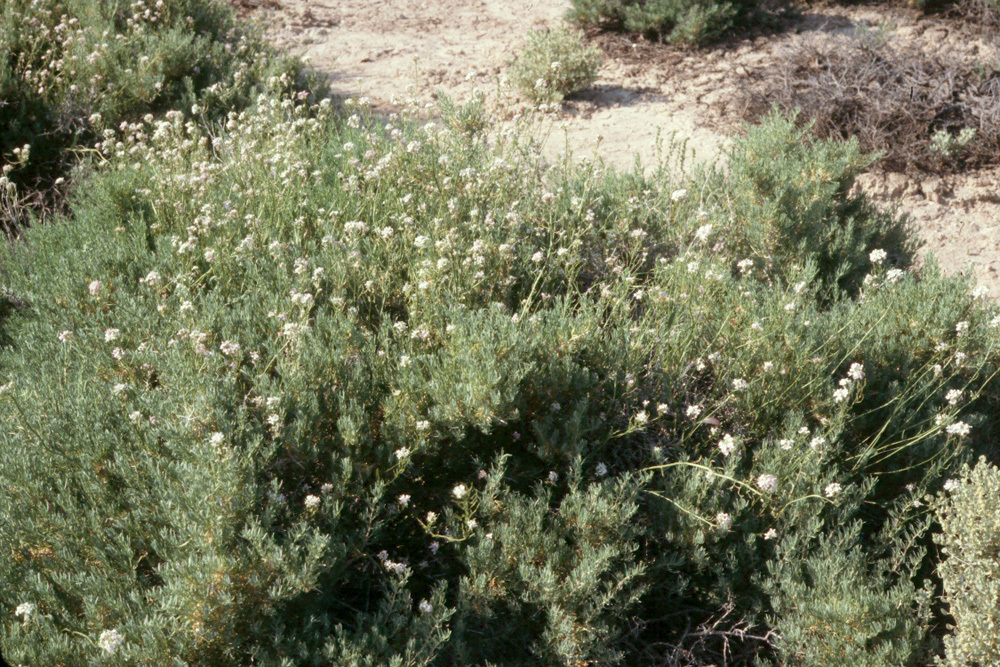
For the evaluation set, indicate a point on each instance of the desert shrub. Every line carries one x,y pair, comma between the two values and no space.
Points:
970,533
927,111
71,68
553,64
322,391
674,21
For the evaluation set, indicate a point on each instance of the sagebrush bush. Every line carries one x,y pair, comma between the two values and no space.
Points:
970,545
674,21
553,64
72,68
309,390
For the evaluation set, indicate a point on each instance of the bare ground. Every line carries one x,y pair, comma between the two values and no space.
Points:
387,50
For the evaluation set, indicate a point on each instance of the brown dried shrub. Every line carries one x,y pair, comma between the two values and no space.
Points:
895,98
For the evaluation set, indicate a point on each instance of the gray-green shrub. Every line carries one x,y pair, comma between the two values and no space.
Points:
674,21
553,64
970,570
312,390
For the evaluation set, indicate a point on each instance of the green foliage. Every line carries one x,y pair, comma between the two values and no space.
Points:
969,540
674,21
315,390
793,207
554,63
835,604
72,68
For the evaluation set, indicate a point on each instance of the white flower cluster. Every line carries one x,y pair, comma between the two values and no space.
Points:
960,429
25,610
110,641
728,445
855,373
767,483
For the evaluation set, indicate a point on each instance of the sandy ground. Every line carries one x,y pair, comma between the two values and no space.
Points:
388,50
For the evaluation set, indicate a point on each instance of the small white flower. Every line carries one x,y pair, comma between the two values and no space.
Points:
877,256
840,395
727,445
402,453
111,334
216,439
229,348
786,444
210,255
425,607
832,489
538,257
980,292
678,195
961,329
693,411
185,306
135,417
770,534
421,241
856,372
951,485
739,384
118,353
110,640
25,610
768,366
312,502
95,288
460,491
152,278
601,470
471,524
767,482
641,418
817,442
65,336
404,499
744,265
119,388
326,488
723,520
553,476
953,396
431,518
893,276
703,233
961,429
423,425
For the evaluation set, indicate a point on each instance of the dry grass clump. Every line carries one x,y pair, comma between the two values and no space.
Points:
930,112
